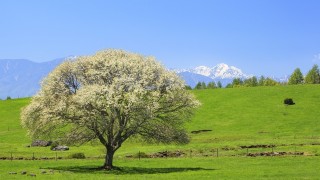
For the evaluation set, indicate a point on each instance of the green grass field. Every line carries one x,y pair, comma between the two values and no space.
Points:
236,117
171,168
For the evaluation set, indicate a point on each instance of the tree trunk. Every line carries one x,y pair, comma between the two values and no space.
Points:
109,159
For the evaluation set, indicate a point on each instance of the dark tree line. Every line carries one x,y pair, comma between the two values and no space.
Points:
210,85
252,82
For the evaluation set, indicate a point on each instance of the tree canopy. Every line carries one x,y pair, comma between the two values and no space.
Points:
296,77
109,97
211,85
201,85
251,82
313,76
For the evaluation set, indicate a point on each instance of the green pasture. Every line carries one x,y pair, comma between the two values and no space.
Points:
171,168
236,117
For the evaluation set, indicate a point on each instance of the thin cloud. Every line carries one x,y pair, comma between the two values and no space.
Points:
316,58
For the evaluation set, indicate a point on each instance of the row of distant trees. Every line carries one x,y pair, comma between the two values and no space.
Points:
312,77
238,82
253,82
210,85
8,98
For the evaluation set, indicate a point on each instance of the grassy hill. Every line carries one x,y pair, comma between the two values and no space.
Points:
11,132
258,115
236,117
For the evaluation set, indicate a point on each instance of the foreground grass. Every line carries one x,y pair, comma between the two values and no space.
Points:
171,168
236,117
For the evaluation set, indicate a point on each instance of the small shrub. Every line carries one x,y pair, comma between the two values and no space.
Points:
77,156
288,101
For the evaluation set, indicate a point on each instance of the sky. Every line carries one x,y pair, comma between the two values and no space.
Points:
261,37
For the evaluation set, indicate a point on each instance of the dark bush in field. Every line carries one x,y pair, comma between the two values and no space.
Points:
289,101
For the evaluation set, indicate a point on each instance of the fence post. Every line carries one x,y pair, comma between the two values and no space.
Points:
11,156
217,152
33,156
139,155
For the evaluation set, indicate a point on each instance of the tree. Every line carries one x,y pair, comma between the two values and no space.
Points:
261,81
229,85
251,82
110,97
313,76
219,84
203,85
200,85
187,87
267,82
237,82
270,82
296,77
211,85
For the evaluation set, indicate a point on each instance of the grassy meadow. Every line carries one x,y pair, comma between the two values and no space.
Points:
235,118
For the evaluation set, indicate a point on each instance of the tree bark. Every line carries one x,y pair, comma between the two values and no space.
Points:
108,164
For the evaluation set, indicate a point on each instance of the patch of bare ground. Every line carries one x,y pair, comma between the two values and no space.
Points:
200,131
275,154
167,154
258,146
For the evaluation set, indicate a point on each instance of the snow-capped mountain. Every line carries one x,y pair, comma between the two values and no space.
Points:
192,79
224,71
202,70
221,71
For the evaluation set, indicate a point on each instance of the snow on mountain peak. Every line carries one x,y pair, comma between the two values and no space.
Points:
222,65
203,70
222,71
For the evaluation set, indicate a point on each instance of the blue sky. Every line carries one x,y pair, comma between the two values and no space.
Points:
261,37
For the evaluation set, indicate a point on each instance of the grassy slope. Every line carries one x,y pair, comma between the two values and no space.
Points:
243,116
11,133
257,115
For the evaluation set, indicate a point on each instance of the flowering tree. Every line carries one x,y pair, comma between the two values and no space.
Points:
110,97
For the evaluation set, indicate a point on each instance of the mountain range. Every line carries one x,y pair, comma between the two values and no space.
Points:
22,78
221,72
